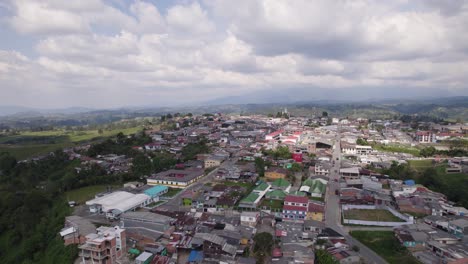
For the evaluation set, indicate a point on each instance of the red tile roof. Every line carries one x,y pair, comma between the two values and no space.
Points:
294,208
313,207
296,199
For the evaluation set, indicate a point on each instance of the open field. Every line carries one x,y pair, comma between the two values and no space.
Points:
371,215
29,143
386,245
420,165
77,136
397,148
84,194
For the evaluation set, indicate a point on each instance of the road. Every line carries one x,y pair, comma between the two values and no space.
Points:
176,200
333,212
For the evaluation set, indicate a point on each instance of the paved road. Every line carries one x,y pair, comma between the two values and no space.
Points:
176,200
333,212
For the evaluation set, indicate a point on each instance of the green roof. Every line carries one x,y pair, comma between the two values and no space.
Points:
280,183
252,197
276,193
316,186
262,187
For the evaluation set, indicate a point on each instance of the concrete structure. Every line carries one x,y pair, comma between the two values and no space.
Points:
425,137
249,218
213,161
107,246
176,178
295,208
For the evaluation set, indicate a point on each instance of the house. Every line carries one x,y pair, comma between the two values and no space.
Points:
276,195
106,246
281,184
458,227
275,173
262,189
213,161
176,178
295,208
249,218
144,258
313,226
322,168
156,191
350,173
251,201
315,211
411,238
315,187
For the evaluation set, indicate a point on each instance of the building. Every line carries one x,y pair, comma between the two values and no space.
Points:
459,227
350,173
119,202
275,173
249,218
295,208
106,246
314,187
363,150
281,184
213,161
425,137
156,191
315,211
176,178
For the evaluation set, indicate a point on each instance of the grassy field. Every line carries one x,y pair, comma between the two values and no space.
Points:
77,136
29,143
274,204
172,191
397,148
386,245
84,194
371,215
420,165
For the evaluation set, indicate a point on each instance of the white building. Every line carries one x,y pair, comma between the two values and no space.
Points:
249,218
116,203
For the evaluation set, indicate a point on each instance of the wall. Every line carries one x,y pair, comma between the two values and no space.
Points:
408,219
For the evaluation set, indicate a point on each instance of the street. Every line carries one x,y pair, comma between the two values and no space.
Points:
333,212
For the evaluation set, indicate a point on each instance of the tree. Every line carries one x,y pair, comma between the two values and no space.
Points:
142,165
428,152
263,243
100,132
278,115
295,167
324,114
362,142
7,163
260,166
323,257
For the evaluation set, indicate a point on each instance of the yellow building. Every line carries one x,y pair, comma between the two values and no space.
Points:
315,211
275,173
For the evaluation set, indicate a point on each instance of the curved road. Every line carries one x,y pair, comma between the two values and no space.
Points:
333,212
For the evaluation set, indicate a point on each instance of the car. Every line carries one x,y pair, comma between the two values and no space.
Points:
337,192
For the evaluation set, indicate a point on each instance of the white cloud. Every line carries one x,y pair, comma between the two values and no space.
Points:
139,53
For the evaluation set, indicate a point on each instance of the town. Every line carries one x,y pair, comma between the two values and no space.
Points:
274,189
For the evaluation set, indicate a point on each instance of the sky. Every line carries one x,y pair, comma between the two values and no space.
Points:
118,53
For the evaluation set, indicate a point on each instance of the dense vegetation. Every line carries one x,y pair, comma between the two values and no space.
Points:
323,257
191,150
32,210
33,201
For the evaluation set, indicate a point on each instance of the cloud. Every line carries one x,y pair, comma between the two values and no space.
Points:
106,53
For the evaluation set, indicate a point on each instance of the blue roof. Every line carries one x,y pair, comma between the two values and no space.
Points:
410,182
154,191
195,256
